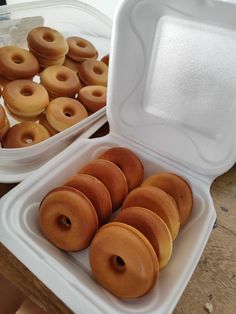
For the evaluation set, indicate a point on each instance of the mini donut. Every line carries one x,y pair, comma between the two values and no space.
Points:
25,98
157,201
68,219
93,72
47,42
64,112
93,97
178,188
60,81
111,176
128,162
81,49
44,122
105,59
123,261
44,63
25,134
152,227
4,129
17,63
96,192
71,64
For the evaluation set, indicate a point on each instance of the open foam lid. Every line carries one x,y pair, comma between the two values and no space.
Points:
172,80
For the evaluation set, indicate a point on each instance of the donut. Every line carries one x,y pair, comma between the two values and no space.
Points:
93,97
47,43
64,112
178,188
44,122
68,219
25,134
81,49
17,63
152,227
128,162
25,98
123,261
93,72
96,192
105,59
71,64
60,81
111,176
157,201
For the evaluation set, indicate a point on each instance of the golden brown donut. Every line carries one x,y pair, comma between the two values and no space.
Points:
68,219
64,112
25,134
25,98
47,42
128,162
17,63
71,64
111,176
44,122
60,81
152,227
123,261
4,129
93,72
93,97
96,192
178,188
159,202
105,59
81,49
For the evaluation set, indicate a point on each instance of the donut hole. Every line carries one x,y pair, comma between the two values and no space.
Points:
61,77
64,222
26,91
97,70
81,44
48,37
118,263
97,93
68,112
17,59
28,138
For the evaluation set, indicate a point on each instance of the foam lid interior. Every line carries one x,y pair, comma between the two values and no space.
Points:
172,80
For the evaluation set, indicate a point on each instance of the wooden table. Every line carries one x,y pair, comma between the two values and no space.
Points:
214,280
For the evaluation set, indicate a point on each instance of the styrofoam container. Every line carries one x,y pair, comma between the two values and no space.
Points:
71,18
174,127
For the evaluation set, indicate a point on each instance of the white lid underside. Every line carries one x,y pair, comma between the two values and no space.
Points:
172,84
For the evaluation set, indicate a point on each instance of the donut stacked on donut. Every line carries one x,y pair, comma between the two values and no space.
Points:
81,49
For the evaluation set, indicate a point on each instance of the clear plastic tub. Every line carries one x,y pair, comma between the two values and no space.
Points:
70,18
172,127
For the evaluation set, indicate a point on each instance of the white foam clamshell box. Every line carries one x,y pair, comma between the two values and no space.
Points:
171,101
71,18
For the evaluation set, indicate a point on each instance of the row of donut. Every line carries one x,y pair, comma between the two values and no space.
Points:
132,248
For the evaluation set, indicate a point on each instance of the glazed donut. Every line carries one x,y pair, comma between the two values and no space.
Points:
93,97
157,201
81,49
96,192
71,64
17,63
152,227
44,122
105,59
111,176
64,112
93,72
178,188
44,63
25,134
47,43
25,98
68,219
128,162
123,261
60,81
